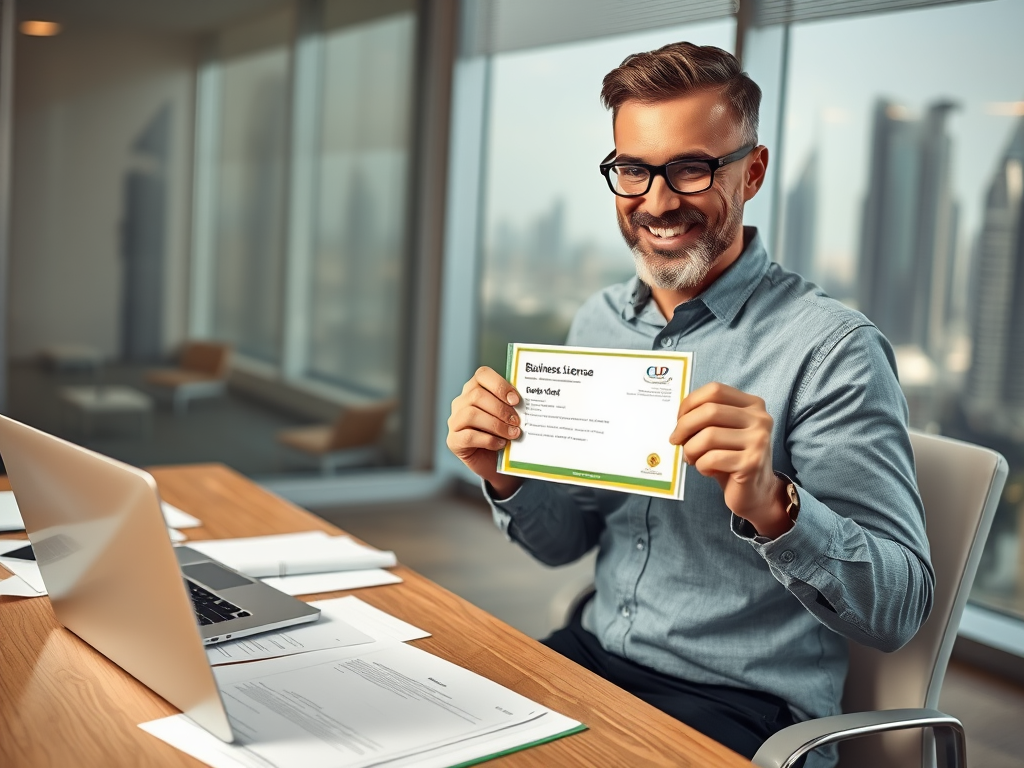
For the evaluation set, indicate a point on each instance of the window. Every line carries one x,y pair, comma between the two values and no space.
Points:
902,196
361,233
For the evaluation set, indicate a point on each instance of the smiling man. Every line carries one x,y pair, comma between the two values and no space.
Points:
802,527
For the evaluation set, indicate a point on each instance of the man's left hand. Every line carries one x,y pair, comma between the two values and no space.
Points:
727,434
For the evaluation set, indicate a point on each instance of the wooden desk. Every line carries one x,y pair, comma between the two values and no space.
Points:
63,704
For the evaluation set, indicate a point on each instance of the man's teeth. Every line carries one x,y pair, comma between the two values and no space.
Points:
660,232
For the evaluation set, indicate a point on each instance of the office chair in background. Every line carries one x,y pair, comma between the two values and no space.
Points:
352,440
202,372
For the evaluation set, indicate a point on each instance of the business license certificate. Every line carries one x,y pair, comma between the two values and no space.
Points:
598,417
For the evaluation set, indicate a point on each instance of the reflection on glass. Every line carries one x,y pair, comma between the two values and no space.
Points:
251,186
550,238
361,225
904,196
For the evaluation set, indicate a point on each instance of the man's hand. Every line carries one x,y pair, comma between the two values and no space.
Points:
482,422
727,434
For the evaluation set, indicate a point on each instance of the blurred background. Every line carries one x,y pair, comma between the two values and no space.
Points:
280,234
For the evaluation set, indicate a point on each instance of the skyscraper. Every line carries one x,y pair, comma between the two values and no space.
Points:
908,225
996,377
801,215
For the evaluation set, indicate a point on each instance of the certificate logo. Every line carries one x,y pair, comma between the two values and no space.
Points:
653,460
657,374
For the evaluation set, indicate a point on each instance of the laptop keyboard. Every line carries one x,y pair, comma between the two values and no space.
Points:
211,609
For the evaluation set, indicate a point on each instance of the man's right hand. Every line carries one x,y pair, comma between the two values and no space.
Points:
483,420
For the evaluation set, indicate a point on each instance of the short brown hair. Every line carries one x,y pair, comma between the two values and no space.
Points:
681,68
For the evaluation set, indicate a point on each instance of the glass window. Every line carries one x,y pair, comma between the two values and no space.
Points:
251,186
361,229
902,194
551,239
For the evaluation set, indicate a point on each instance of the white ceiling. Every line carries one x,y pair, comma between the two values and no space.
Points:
170,16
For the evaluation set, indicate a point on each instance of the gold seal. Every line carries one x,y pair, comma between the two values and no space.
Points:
653,460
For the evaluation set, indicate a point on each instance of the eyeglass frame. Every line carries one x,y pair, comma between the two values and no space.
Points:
713,163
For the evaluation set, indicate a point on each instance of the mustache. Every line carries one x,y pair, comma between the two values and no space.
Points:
680,216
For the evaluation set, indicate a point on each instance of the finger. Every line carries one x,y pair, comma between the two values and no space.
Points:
713,439
468,440
720,463
716,392
473,418
489,379
710,415
485,401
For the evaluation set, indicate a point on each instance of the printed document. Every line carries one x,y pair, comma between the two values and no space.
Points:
598,417
289,554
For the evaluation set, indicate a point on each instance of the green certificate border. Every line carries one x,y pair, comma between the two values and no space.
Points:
561,474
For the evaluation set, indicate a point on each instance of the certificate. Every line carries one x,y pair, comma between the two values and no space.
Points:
598,417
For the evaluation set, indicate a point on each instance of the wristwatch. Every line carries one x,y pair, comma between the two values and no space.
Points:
792,497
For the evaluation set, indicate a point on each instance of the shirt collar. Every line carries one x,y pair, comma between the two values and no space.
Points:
726,296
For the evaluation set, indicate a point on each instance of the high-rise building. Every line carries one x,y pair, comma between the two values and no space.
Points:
996,377
909,224
801,215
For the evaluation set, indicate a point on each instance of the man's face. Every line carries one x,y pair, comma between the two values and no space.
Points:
677,239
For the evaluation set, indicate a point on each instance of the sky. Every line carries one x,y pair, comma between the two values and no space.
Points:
545,107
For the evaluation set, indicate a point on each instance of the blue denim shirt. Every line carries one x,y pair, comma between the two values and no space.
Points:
689,589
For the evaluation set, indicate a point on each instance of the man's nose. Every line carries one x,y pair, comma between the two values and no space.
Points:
660,197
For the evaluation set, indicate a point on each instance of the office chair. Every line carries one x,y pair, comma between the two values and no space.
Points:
889,693
352,440
202,372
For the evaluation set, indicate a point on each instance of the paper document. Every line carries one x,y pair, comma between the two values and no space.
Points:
315,583
175,518
183,734
331,630
291,554
598,417
17,587
10,515
26,570
352,707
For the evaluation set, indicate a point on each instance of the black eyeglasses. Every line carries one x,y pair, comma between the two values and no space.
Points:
687,176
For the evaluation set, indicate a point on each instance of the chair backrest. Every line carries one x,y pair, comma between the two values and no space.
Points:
209,357
360,425
960,485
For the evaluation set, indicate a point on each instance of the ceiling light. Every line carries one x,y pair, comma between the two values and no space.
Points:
40,28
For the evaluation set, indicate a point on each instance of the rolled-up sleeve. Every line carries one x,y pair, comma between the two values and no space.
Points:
557,524
858,556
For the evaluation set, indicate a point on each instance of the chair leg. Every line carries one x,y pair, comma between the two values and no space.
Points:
327,464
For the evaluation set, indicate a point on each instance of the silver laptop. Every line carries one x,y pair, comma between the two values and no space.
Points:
115,580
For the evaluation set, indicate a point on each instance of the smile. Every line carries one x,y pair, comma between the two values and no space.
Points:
664,232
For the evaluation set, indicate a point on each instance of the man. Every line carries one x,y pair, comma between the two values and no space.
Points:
802,526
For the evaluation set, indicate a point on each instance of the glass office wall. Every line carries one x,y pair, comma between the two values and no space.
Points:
251,185
902,196
550,240
362,206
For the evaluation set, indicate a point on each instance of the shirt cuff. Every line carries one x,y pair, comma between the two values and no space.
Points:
797,552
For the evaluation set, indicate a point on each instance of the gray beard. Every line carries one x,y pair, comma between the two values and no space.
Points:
689,267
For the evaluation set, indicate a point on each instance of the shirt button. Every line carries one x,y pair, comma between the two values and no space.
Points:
625,611
640,544
787,556
666,342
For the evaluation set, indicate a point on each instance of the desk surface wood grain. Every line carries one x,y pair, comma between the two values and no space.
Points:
63,704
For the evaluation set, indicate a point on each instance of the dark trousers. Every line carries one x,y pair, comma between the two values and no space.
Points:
740,719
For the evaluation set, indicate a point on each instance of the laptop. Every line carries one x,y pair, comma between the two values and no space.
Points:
115,580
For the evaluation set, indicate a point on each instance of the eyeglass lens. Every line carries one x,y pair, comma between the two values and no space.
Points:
683,177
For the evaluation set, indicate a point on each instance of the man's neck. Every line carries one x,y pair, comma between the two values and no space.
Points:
668,299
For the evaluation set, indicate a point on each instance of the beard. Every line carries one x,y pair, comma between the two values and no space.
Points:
681,268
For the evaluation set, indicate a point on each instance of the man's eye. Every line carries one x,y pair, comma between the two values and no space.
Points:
688,171
631,172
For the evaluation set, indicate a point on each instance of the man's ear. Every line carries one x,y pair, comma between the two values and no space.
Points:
755,172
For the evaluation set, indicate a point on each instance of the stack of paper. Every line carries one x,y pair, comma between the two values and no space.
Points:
304,563
377,703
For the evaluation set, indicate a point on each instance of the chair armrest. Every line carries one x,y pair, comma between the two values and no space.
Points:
790,744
